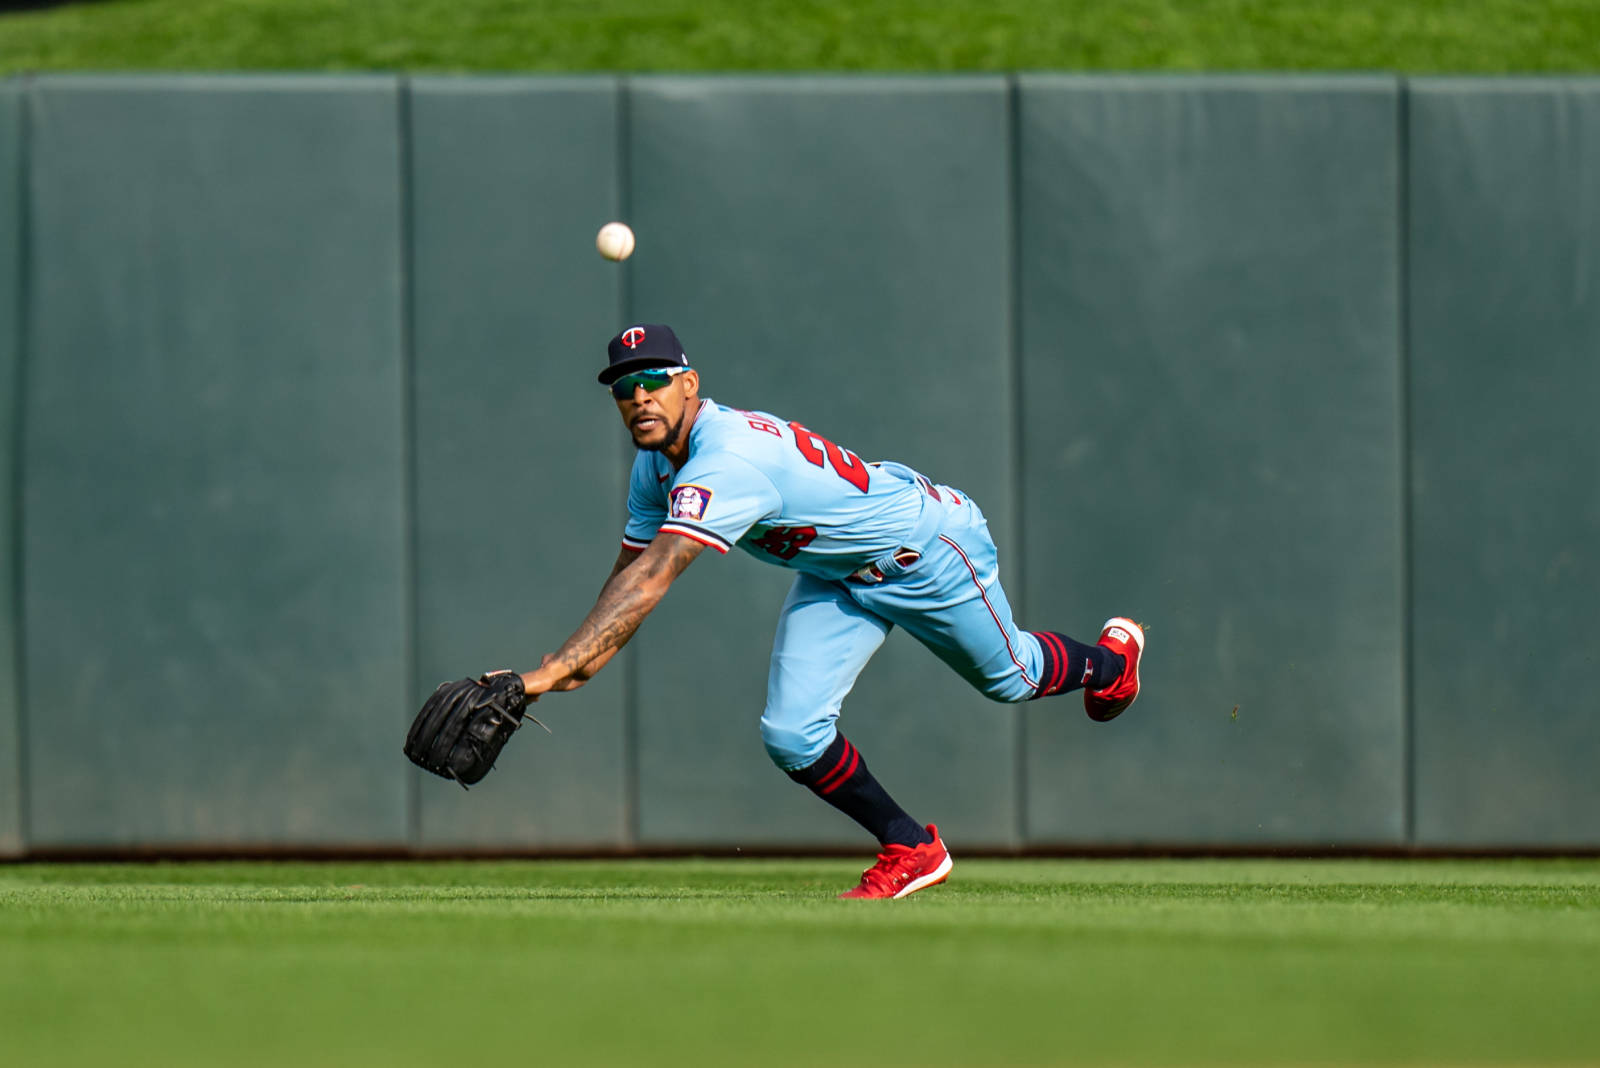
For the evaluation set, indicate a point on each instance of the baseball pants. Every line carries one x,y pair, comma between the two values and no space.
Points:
950,600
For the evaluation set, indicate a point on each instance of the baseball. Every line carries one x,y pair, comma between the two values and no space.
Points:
615,241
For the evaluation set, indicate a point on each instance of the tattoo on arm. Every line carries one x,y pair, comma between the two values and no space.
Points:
589,670
633,590
625,556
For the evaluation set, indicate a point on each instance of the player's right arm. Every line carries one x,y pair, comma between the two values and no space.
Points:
625,556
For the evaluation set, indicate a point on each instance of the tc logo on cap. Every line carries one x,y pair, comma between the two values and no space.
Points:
633,337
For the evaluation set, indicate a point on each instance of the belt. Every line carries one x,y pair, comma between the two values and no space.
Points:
922,481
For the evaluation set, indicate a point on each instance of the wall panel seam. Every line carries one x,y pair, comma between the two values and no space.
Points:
1408,765
631,816
24,347
405,164
1018,515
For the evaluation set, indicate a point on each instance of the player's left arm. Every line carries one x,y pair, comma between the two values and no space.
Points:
630,595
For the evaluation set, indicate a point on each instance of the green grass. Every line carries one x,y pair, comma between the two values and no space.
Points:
1468,36
754,962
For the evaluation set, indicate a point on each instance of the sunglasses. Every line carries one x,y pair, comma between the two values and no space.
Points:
652,380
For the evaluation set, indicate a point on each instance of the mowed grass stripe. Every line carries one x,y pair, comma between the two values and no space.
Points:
1417,36
753,962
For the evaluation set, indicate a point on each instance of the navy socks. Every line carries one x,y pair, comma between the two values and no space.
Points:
1070,665
840,777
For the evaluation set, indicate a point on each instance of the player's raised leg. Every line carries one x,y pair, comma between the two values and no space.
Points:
954,604
824,639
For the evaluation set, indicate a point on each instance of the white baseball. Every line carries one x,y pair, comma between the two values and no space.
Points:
615,241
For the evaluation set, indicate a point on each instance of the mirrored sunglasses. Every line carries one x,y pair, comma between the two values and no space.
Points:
651,379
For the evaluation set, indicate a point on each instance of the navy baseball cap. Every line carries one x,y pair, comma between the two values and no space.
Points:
641,346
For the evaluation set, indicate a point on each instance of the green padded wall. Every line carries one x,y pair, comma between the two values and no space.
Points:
309,363
215,508
837,251
11,148
1505,373
520,476
1210,384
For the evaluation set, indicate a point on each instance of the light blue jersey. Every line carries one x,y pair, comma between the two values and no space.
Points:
795,499
777,490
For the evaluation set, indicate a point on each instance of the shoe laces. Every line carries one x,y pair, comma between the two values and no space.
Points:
892,870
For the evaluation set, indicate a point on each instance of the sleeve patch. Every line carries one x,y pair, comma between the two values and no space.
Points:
689,501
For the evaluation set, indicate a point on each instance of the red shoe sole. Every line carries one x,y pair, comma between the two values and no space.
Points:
933,878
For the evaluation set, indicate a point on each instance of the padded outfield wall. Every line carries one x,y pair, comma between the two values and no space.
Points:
299,418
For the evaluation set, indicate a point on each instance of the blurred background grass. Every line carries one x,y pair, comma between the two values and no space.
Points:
1412,36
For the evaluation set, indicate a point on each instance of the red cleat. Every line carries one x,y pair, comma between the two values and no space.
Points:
1125,638
902,870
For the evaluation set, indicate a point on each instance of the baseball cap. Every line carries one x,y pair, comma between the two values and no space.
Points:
640,346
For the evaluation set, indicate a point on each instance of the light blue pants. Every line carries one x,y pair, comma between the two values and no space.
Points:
950,601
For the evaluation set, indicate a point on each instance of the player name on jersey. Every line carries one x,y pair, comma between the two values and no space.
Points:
776,489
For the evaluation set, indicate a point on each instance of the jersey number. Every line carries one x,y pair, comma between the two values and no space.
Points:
786,542
846,464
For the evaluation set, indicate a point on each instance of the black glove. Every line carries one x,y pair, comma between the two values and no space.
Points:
464,725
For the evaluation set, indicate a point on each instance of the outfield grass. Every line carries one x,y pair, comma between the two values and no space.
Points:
1468,36
753,962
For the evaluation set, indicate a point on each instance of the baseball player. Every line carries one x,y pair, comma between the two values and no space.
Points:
872,545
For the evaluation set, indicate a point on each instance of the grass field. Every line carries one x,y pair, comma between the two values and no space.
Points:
1466,36
753,962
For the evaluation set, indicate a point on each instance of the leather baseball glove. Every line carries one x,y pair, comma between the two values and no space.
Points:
463,726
